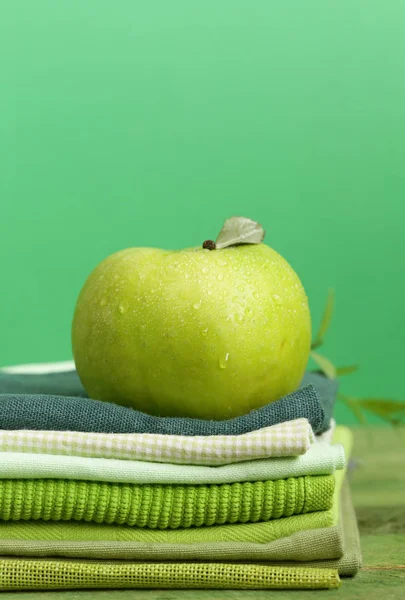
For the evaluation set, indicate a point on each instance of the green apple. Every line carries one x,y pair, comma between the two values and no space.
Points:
210,332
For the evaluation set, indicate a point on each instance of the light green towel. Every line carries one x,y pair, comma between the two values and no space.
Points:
321,459
163,506
256,533
43,574
307,545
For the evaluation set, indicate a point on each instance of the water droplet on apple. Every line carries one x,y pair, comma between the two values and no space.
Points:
241,287
256,294
223,361
205,270
197,305
248,311
123,306
209,283
277,299
204,332
239,318
116,276
209,292
221,262
103,301
220,277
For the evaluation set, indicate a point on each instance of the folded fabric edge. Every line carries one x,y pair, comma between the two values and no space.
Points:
290,438
29,574
16,465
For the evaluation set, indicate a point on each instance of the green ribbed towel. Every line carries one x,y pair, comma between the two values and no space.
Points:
43,574
163,506
27,404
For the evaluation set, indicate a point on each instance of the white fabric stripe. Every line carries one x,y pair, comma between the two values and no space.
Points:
41,368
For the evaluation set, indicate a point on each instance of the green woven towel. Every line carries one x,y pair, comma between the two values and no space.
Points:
256,533
163,506
43,574
22,408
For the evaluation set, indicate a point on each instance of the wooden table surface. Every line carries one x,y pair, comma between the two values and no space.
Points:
378,488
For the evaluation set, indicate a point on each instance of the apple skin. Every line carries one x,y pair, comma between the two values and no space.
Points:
192,333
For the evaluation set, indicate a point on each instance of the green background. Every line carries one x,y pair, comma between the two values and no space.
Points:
148,123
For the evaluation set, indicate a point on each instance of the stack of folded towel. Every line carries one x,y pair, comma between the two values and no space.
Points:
96,495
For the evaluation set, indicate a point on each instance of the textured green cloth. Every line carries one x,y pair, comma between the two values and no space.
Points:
321,459
307,545
163,506
257,533
24,409
43,574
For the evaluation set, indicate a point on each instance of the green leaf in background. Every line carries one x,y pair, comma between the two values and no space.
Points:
326,320
383,407
392,411
326,366
340,371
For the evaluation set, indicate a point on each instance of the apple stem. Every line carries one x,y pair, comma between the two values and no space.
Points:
209,244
